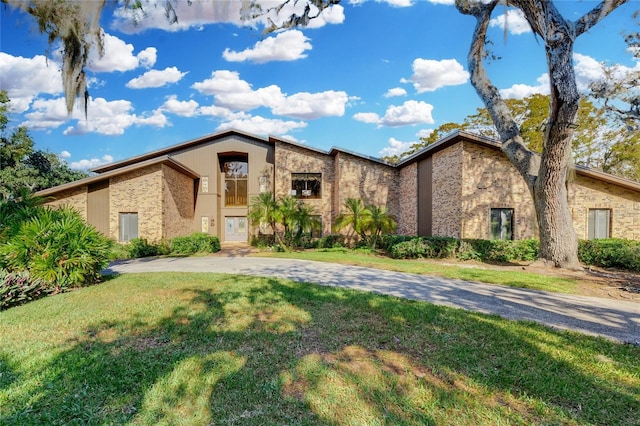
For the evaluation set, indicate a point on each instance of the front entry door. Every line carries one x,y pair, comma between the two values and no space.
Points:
235,229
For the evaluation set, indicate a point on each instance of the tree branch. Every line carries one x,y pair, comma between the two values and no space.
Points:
525,160
596,15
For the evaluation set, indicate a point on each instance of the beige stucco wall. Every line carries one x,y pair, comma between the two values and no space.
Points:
178,202
587,193
408,200
75,198
204,160
490,181
294,159
138,191
447,192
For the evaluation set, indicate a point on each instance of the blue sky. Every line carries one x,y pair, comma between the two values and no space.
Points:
370,76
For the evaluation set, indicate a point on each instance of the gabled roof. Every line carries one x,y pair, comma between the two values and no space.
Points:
164,159
462,136
178,147
332,152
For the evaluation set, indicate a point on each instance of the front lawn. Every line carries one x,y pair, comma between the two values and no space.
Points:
199,349
514,278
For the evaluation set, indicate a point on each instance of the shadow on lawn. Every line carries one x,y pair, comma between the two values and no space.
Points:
287,353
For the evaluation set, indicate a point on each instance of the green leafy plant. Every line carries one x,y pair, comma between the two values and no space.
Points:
610,253
198,242
17,288
57,246
140,247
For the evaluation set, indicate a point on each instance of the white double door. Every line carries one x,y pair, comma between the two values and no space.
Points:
235,229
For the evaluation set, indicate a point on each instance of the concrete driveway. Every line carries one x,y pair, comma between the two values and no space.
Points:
612,319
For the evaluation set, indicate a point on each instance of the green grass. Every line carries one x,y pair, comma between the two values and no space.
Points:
515,278
199,349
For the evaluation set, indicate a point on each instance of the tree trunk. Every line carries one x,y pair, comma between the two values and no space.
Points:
558,240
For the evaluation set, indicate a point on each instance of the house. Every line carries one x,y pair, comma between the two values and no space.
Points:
462,186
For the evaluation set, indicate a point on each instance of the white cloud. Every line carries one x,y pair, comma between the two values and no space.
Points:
367,117
182,108
25,78
396,91
408,114
514,20
222,81
286,46
429,75
262,126
521,91
312,105
65,154
156,78
118,56
395,147
104,117
232,93
89,164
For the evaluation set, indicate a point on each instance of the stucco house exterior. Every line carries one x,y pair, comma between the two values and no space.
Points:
462,186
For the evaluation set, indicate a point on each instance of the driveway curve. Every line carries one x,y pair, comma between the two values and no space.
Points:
612,319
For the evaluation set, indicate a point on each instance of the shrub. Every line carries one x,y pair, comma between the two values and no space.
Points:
429,247
198,242
17,288
388,241
57,246
140,247
498,250
610,253
330,241
263,240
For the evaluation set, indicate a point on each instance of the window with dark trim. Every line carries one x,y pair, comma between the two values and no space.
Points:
235,183
599,223
128,226
306,185
502,224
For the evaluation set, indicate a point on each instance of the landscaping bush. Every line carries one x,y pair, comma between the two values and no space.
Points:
429,247
140,247
17,288
57,246
610,253
263,240
498,250
330,241
388,241
195,243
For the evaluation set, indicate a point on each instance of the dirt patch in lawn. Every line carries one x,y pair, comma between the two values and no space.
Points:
592,281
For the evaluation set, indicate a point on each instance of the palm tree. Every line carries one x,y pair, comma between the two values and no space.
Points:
287,217
354,216
378,222
264,208
305,220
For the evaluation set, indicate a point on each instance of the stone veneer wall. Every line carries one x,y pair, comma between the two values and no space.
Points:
588,193
178,202
293,159
491,181
447,192
372,182
75,198
408,209
138,191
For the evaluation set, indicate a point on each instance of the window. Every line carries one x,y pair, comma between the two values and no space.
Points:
599,223
502,224
128,226
306,185
235,183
